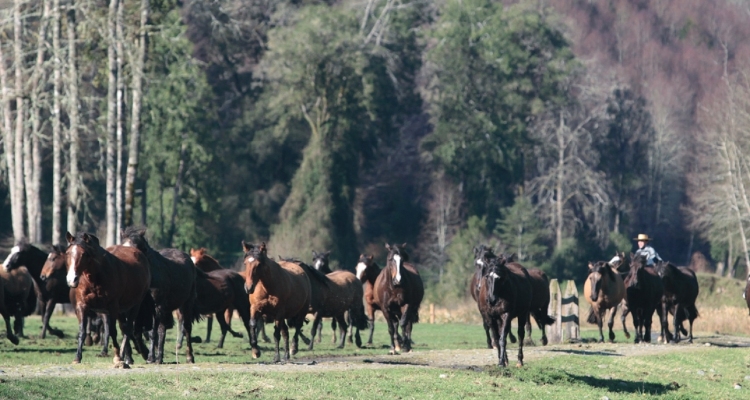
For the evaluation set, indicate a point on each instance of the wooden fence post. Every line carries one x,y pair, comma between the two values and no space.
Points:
554,331
571,330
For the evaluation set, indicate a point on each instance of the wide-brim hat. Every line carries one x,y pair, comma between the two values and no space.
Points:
642,237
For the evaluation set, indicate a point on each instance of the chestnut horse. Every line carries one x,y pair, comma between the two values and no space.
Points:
504,294
399,292
622,267
604,290
644,293
680,292
333,295
172,288
53,275
206,263
113,281
368,272
279,293
16,288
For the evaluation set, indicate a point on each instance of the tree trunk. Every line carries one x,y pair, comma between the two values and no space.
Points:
74,179
34,195
120,119
17,219
19,140
560,198
135,124
111,118
56,128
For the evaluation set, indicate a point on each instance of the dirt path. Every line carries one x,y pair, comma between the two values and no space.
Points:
475,359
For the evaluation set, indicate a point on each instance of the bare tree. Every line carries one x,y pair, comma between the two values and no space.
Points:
20,111
34,203
120,99
73,178
56,127
135,120
10,156
568,190
111,233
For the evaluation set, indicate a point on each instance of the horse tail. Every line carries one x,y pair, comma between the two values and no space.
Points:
33,300
692,311
145,319
542,318
358,317
593,318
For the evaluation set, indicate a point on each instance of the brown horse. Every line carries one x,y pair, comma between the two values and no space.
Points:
604,290
16,288
399,291
680,292
644,293
23,254
113,281
622,267
279,293
53,275
333,295
368,272
321,263
504,294
206,263
172,288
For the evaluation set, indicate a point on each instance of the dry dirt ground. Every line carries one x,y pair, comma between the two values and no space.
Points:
475,359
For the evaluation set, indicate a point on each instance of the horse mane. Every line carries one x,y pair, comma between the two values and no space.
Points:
59,248
319,276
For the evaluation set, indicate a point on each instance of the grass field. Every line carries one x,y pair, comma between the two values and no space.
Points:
449,361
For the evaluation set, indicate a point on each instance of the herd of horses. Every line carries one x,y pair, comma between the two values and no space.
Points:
141,289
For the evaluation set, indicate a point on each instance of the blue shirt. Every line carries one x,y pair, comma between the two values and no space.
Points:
651,254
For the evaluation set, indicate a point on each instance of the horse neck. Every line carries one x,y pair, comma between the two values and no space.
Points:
207,264
372,272
270,275
101,264
36,261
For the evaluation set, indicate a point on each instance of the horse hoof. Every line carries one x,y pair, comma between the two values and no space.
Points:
544,341
121,365
256,353
519,364
102,355
392,352
88,341
398,349
179,346
76,362
627,335
190,360
13,339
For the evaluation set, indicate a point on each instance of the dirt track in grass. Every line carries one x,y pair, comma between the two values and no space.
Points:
474,359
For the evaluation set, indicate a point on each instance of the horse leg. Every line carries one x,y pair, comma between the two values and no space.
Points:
611,324
317,328
647,321
392,333
676,323
528,331
277,339
342,326
83,320
253,333
521,328
209,325
623,319
600,323
224,329
503,330
8,329
540,325
108,323
186,310
370,322
119,350
333,328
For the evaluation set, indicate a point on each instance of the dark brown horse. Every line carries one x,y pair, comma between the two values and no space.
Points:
399,291
334,295
172,288
53,275
320,262
604,290
26,255
113,281
368,272
16,288
206,263
644,293
680,293
221,291
504,294
279,293
622,267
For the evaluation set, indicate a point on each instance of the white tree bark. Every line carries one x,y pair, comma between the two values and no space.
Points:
56,128
74,180
120,99
20,112
10,156
111,233
34,189
135,120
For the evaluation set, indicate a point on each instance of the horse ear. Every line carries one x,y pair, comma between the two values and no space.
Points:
69,237
388,247
262,248
246,246
142,232
591,265
86,237
370,257
315,254
403,245
328,253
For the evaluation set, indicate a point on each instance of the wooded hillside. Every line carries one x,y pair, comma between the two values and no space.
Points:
554,129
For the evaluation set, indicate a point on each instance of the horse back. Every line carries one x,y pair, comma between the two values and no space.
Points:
17,283
345,290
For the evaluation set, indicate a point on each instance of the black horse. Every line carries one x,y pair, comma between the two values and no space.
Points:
680,293
644,293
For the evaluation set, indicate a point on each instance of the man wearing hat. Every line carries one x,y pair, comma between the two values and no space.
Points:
646,250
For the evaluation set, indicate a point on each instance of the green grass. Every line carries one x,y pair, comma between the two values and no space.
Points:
41,369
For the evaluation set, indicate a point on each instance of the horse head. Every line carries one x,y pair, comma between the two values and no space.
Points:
18,255
482,253
55,262
396,258
664,269
135,237
82,252
320,261
599,272
197,254
495,273
366,266
255,259
636,265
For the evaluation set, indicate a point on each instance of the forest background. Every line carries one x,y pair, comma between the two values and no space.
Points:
554,129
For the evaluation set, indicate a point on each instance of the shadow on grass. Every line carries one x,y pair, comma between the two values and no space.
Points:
586,352
553,376
43,350
624,386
